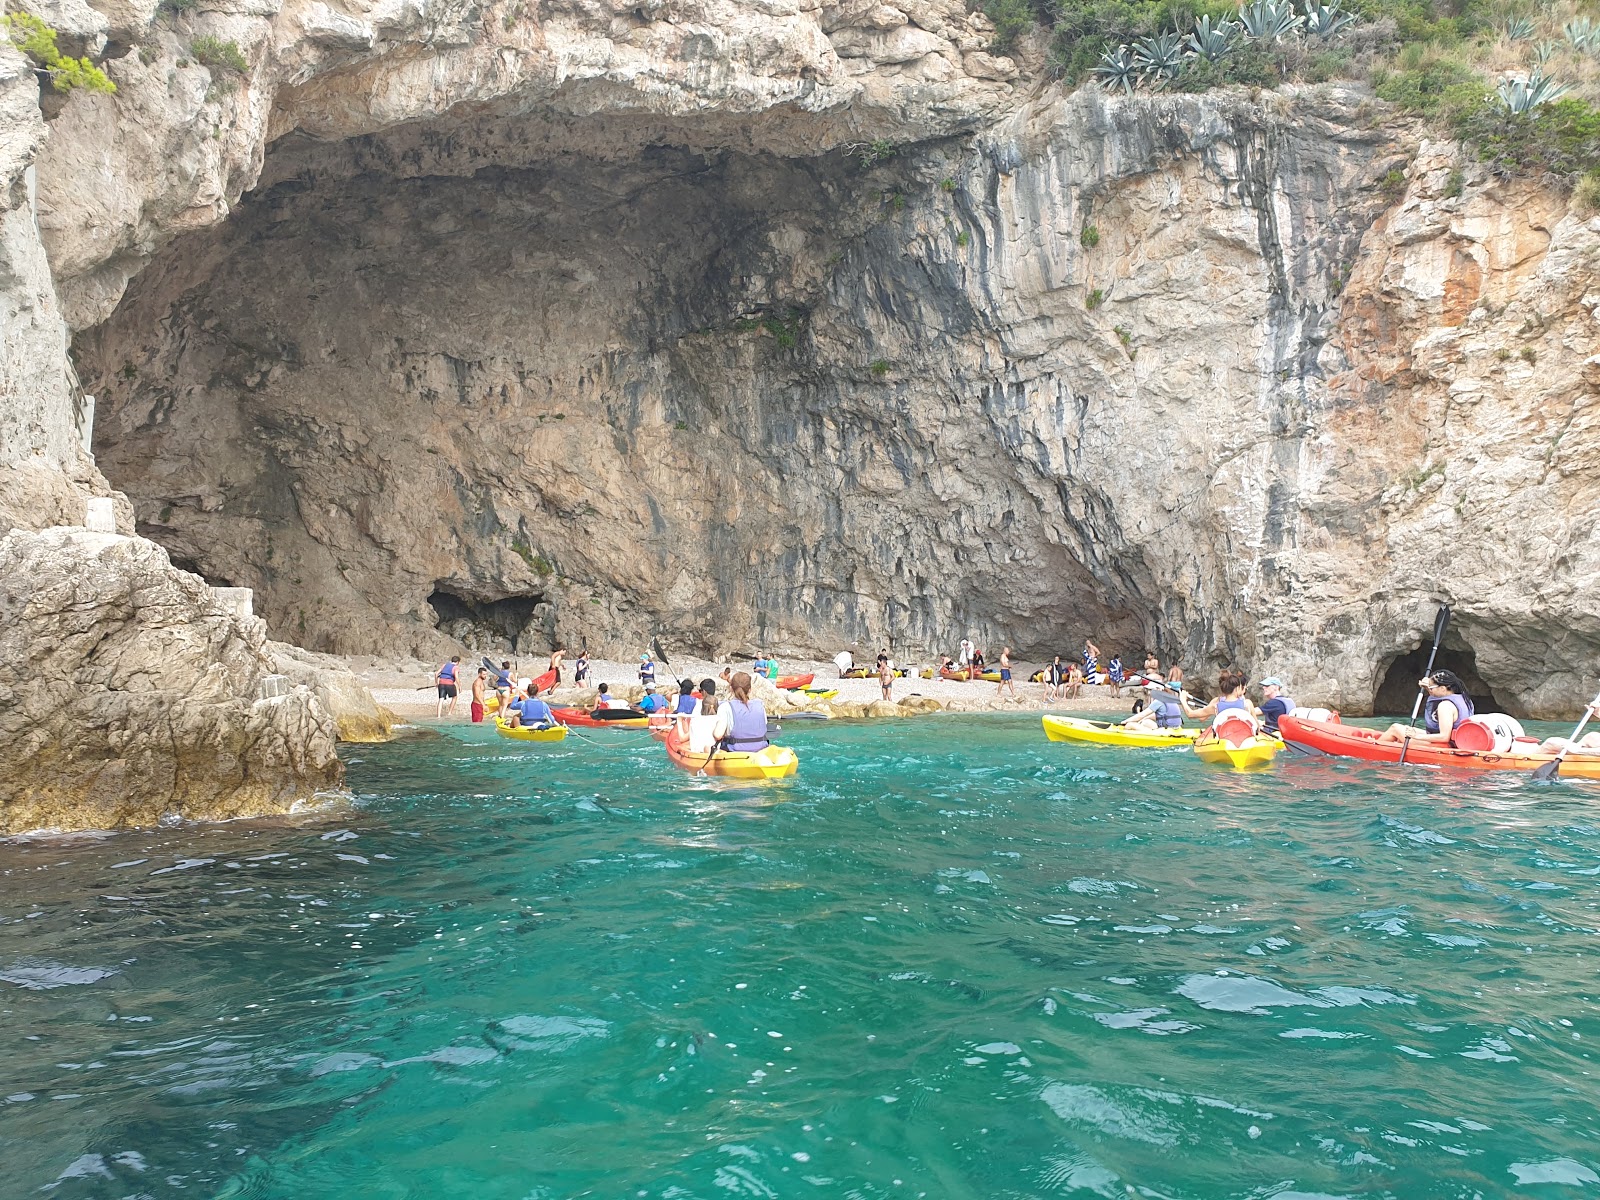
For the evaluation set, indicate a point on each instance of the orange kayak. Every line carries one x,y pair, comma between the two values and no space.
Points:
774,762
1349,741
793,681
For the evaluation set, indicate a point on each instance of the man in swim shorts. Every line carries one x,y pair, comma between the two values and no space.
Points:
1005,672
480,690
444,679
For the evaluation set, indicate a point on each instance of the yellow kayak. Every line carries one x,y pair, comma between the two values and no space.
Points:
554,734
1255,751
820,693
1104,733
774,762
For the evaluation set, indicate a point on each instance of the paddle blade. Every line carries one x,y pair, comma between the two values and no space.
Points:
1549,770
1440,623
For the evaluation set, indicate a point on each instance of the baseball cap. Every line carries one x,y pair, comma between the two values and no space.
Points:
1272,681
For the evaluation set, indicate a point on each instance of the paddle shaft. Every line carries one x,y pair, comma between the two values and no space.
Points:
1440,624
1552,768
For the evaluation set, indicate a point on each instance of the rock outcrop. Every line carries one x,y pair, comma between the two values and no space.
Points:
357,717
776,324
131,697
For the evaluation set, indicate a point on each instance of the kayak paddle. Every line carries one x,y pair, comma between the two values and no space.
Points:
1551,768
1440,624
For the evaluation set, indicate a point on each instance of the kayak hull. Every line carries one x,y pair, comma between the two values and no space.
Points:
554,734
1256,751
1103,733
775,762
954,676
1349,741
580,719
790,682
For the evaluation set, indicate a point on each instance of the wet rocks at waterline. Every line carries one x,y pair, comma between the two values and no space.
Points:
134,694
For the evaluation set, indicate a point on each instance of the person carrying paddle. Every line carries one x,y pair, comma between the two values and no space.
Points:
1447,705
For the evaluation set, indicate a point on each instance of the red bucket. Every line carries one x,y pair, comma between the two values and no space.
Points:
1473,734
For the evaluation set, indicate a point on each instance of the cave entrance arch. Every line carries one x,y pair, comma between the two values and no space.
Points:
508,624
1397,688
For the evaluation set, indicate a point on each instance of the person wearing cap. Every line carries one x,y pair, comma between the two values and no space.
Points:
652,703
1275,703
1163,711
647,668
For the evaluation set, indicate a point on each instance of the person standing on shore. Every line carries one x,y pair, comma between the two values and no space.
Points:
1005,672
502,683
1175,674
580,669
555,665
1152,665
647,670
1053,680
444,679
964,654
480,692
885,674
1114,674
1091,662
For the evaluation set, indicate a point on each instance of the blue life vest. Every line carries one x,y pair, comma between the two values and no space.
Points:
534,712
503,680
685,703
1241,704
447,673
747,731
1430,714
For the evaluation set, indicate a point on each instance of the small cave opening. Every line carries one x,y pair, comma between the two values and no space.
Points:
194,568
1398,689
512,623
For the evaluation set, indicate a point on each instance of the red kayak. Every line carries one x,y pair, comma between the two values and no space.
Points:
544,683
605,718
793,681
1347,741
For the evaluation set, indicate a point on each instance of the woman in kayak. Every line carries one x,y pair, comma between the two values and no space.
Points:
1589,743
747,719
708,726
1446,707
1230,698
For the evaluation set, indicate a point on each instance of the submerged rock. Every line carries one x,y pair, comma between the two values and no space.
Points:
133,696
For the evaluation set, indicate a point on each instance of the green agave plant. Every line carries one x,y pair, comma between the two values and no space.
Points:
1517,29
1159,56
1545,51
1269,20
1523,96
1212,42
1325,20
1117,69
1583,33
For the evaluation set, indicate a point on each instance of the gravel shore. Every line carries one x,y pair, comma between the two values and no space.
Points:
405,685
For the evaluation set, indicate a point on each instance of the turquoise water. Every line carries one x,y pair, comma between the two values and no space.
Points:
949,959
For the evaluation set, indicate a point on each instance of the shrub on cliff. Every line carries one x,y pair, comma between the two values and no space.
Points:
38,41
219,55
1561,138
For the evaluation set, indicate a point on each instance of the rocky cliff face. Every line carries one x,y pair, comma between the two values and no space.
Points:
134,698
783,324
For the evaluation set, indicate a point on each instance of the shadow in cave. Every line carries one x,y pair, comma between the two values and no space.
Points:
189,565
488,624
1398,690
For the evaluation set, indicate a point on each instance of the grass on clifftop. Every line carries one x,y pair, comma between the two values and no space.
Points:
1519,80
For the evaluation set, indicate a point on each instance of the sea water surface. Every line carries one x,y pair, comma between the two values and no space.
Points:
948,959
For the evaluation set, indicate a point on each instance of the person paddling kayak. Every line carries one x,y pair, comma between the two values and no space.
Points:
1230,698
1447,706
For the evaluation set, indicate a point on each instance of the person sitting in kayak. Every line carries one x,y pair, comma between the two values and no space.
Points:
1589,743
1446,707
1230,698
606,700
747,719
1275,703
708,726
1164,711
530,712
652,702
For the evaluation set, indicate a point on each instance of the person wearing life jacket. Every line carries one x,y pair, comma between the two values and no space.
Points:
529,712
1447,705
503,684
444,679
1164,711
647,669
747,719
1275,703
652,702
1230,698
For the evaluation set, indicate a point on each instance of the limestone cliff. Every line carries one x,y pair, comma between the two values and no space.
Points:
782,323
132,697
